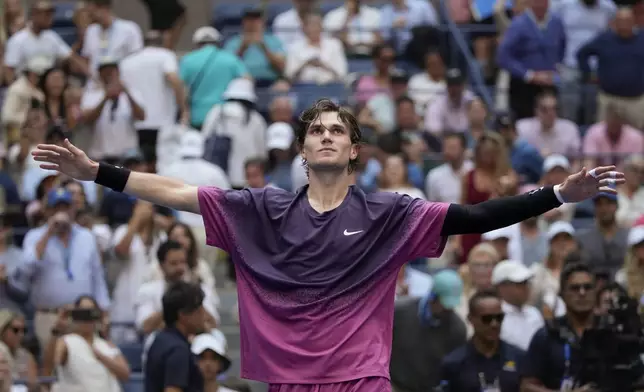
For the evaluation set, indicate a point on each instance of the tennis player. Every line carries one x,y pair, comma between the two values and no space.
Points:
316,269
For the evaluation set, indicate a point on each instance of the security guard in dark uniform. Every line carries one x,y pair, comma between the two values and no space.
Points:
553,359
485,363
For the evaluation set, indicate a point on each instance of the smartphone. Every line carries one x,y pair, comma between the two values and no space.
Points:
85,314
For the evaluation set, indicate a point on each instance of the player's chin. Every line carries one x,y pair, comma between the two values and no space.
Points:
327,164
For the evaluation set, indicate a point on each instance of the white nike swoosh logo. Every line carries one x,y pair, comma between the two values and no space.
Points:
347,233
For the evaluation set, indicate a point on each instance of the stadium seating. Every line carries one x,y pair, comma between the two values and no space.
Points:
63,15
134,384
132,353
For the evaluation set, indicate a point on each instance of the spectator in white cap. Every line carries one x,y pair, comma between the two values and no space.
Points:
545,284
210,349
631,275
193,169
206,72
630,197
555,168
506,241
20,97
534,243
279,146
512,280
235,131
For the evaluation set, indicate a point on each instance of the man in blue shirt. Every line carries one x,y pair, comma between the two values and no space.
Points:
485,363
620,60
531,49
206,72
261,52
171,365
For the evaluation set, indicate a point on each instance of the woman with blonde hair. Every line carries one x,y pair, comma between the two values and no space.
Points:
476,275
631,276
395,178
491,177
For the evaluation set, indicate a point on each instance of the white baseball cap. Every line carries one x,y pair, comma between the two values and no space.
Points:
214,343
192,145
560,227
510,271
279,136
241,88
635,236
554,161
206,34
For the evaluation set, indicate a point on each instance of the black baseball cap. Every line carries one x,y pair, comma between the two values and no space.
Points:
253,12
399,76
454,76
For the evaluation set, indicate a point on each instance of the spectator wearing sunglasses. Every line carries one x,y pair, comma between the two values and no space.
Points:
554,357
486,362
22,363
512,281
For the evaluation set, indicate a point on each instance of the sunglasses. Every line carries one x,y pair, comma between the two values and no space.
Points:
579,287
488,318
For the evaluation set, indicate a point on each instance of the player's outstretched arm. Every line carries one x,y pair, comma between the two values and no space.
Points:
72,161
497,213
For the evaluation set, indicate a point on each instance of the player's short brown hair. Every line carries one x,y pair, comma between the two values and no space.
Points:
345,116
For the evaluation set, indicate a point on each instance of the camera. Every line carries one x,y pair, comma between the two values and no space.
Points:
85,315
611,351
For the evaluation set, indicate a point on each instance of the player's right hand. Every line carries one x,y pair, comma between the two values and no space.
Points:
67,159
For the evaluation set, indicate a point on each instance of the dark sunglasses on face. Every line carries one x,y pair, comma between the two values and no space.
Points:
579,287
488,318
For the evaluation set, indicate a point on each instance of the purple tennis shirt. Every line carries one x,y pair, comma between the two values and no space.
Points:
316,290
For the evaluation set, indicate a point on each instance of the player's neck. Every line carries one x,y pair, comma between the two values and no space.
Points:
327,190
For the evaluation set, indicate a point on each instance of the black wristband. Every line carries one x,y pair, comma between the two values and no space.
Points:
113,177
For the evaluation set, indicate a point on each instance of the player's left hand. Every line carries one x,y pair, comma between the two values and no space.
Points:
588,183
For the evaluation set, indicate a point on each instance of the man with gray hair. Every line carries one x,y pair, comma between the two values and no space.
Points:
154,73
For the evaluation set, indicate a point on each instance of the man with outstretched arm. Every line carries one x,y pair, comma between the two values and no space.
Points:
316,269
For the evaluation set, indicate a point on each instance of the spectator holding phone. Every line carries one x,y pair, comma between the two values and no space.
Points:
85,361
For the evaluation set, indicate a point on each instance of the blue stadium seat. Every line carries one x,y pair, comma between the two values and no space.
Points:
307,94
275,9
68,34
364,65
134,384
63,14
228,14
132,353
327,6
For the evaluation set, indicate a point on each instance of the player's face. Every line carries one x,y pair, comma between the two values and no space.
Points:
327,145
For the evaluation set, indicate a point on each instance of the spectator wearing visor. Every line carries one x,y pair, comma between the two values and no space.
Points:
553,359
60,252
486,363
210,349
425,330
512,281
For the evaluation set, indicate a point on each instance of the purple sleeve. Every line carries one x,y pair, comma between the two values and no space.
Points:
426,221
218,208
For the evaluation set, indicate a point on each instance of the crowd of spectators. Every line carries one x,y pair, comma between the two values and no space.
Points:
76,258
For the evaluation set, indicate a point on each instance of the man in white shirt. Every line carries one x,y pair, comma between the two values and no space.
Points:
512,280
356,25
37,40
173,260
109,36
111,109
154,73
443,183
287,26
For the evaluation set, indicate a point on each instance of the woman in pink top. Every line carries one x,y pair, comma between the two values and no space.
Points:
379,82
